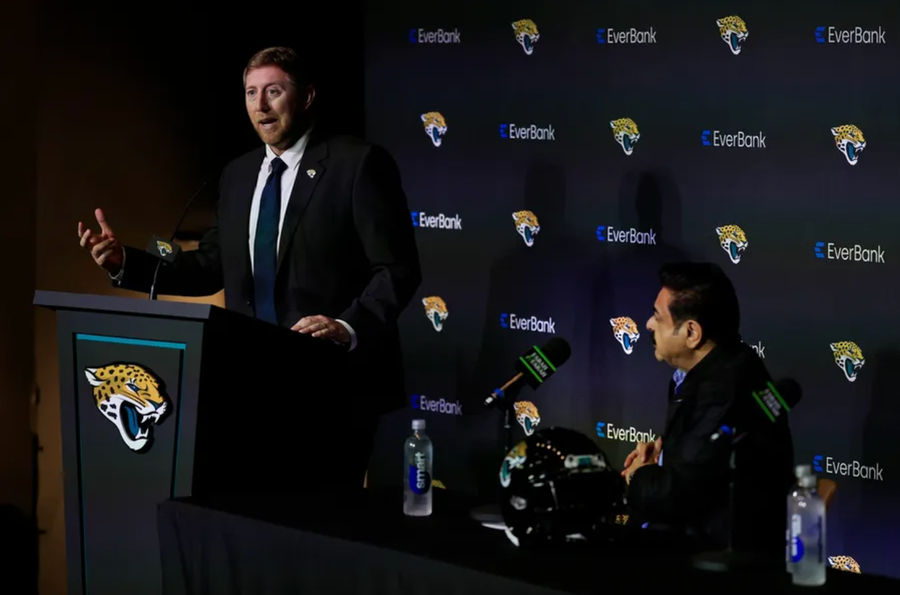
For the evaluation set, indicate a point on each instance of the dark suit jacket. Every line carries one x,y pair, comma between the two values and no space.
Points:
691,488
347,250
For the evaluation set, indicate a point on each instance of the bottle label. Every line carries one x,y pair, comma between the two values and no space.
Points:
796,541
419,478
796,549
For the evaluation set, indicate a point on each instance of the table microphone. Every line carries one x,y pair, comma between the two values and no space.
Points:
535,366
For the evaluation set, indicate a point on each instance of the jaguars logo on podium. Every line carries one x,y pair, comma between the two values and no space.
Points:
129,397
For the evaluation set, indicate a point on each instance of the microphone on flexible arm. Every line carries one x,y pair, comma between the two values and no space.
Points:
774,400
167,250
534,367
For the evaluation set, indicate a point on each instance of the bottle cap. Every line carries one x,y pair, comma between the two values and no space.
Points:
418,424
802,471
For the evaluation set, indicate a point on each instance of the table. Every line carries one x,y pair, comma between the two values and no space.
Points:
362,544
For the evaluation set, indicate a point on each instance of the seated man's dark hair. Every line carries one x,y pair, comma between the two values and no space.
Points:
702,292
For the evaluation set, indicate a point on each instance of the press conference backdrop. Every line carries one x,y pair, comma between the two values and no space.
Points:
555,154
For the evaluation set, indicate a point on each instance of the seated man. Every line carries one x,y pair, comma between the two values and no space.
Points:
684,479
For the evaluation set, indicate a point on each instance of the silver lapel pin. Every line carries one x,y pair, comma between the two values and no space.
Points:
311,173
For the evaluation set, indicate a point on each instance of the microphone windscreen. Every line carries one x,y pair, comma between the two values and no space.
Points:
790,391
557,350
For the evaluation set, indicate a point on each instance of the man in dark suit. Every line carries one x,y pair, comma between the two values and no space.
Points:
312,232
684,480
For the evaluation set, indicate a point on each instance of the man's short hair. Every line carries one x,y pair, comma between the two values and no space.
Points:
284,58
702,292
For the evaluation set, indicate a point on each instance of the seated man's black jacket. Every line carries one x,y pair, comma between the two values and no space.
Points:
690,490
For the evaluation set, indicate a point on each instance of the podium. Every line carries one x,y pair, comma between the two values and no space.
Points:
164,400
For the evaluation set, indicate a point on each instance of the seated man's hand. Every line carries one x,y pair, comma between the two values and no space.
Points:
644,453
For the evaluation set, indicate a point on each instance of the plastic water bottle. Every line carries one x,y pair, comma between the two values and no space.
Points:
417,468
805,554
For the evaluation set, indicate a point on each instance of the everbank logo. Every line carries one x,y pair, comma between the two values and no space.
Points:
423,403
827,34
614,235
739,139
517,322
515,131
853,468
854,253
630,434
436,221
435,36
626,36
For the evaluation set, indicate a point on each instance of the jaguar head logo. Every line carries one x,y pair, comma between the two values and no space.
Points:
129,397
733,241
626,133
435,127
845,563
733,31
527,415
625,330
849,358
164,248
526,33
527,225
850,141
435,311
514,459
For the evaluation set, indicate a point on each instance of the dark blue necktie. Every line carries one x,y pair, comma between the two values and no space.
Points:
265,246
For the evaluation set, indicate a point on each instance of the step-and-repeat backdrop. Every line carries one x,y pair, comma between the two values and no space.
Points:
555,154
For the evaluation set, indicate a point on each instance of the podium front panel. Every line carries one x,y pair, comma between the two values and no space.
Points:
124,411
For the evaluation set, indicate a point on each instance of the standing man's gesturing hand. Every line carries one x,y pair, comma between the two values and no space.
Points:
105,249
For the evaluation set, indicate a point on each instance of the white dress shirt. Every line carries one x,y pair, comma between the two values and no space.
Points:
291,158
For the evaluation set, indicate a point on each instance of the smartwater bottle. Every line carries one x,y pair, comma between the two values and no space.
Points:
417,468
805,531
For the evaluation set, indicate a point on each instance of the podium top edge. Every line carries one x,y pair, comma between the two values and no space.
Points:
61,300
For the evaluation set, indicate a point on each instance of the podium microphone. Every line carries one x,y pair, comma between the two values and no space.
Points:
167,250
535,366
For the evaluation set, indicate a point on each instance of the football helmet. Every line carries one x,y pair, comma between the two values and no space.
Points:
557,486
